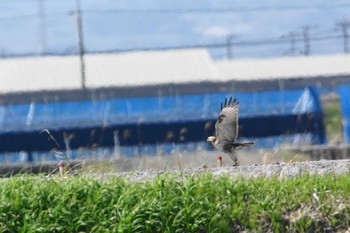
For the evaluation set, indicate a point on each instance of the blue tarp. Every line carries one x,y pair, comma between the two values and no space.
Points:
345,106
270,118
56,115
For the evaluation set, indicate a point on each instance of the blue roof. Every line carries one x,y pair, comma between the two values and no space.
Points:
92,112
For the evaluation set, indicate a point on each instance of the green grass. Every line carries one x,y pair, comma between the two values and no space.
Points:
181,203
333,119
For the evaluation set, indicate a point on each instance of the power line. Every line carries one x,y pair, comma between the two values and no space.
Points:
216,10
236,44
215,45
189,11
16,17
344,26
292,38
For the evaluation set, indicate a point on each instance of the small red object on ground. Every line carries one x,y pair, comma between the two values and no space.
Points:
219,161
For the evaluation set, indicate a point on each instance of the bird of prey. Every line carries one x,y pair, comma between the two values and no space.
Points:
226,130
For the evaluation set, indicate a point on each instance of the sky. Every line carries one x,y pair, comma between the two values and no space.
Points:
32,27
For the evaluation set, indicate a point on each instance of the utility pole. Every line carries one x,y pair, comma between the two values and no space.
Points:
80,44
42,27
229,43
344,26
306,38
292,37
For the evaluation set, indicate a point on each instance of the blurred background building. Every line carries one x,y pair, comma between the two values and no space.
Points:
148,77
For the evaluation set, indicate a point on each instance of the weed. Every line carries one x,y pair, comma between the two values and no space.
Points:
174,203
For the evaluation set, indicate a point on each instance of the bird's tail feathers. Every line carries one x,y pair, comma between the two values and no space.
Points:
238,145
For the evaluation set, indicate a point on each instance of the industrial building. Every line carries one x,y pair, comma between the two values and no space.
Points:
150,98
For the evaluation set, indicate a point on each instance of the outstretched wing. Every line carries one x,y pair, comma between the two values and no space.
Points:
227,123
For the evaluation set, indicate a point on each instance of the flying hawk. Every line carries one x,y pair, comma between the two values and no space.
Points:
226,128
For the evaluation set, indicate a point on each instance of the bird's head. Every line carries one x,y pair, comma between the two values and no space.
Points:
211,139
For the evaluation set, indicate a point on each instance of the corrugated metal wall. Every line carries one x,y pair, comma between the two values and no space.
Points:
268,117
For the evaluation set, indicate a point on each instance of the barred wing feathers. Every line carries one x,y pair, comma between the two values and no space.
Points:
227,123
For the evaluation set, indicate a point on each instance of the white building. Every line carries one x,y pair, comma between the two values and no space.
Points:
160,72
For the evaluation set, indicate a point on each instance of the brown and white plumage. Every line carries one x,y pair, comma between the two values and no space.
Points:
226,130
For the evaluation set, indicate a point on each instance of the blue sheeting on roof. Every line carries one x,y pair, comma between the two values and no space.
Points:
345,106
268,117
104,112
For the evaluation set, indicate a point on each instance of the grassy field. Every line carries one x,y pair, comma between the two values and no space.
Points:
181,203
